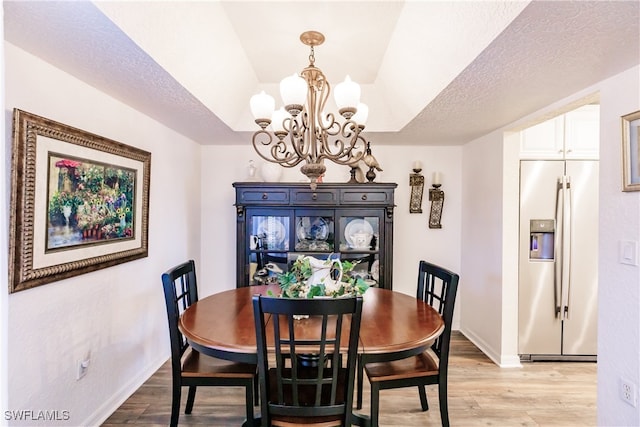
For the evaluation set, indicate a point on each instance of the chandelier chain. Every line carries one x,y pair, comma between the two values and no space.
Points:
312,57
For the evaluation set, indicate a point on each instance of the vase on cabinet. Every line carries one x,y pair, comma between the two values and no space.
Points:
271,172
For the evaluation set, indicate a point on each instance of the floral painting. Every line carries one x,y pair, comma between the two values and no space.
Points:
89,202
79,202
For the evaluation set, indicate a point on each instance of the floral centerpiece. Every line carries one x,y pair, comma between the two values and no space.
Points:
310,277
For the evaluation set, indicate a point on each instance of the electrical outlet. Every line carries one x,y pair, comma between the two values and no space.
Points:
628,392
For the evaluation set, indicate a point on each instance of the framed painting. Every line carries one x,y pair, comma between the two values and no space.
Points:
79,202
631,152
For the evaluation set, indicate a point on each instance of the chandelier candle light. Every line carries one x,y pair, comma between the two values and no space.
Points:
303,128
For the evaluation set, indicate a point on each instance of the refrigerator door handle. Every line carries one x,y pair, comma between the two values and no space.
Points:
566,247
557,249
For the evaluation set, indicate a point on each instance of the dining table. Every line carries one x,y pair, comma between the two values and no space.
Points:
222,325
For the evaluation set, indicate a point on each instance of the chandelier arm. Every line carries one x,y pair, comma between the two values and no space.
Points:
350,131
359,154
312,117
288,160
325,90
344,156
332,126
263,140
296,135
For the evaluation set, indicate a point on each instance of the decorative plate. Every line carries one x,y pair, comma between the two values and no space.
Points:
273,231
312,228
355,226
375,271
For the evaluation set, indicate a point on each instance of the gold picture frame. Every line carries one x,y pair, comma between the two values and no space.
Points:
631,152
79,202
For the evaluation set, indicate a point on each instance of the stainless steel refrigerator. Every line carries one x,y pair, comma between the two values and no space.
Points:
558,268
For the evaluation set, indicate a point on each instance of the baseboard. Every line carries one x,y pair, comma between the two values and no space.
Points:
111,405
510,362
503,361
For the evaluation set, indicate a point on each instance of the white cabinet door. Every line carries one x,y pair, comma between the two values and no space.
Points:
582,133
574,135
543,141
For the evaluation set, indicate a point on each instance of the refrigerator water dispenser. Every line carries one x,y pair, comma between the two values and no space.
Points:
541,239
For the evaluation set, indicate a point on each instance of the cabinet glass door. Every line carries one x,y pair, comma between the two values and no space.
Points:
360,241
268,245
314,231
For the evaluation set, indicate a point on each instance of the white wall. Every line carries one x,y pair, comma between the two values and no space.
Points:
490,245
510,244
619,284
413,240
118,313
481,293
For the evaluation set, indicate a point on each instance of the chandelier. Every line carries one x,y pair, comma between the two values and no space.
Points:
302,131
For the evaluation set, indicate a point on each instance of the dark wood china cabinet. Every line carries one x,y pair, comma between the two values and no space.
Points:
277,222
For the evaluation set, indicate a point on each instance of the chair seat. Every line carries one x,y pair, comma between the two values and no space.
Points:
424,364
195,364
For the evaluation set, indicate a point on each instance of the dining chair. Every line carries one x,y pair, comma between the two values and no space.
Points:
190,368
306,380
437,287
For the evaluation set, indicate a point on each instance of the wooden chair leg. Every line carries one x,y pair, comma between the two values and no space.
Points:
444,407
249,390
375,404
423,397
360,383
190,398
256,391
175,405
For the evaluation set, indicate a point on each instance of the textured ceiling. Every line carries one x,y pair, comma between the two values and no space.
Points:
432,72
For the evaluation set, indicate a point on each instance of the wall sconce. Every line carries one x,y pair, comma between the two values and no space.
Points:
416,181
436,196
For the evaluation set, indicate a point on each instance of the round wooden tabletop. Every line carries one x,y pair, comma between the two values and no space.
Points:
222,324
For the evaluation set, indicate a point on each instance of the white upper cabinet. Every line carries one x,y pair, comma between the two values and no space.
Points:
574,135
544,140
582,133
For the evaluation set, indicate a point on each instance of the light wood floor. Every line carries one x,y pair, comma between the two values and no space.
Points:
480,394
